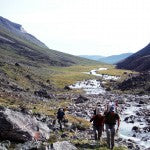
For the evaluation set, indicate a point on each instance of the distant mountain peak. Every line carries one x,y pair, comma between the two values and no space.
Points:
11,25
108,59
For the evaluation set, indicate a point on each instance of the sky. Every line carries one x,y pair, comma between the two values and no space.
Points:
84,27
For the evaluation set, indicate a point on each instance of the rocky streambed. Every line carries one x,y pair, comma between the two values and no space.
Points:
133,109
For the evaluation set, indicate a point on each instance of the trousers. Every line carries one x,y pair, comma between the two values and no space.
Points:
110,132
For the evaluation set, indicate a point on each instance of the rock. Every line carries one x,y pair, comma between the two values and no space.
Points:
131,146
64,145
64,135
129,119
28,77
17,64
5,145
146,129
135,128
42,93
23,110
15,88
9,132
32,145
81,99
134,135
48,81
126,119
141,102
2,147
2,108
67,88
108,89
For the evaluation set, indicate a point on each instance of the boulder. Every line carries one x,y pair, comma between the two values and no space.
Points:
28,77
9,132
42,93
81,99
17,64
141,102
67,88
135,128
146,129
63,145
5,145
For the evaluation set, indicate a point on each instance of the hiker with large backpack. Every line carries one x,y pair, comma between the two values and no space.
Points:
112,104
98,123
60,117
110,121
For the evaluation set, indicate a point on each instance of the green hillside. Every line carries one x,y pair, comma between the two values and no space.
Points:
12,47
30,66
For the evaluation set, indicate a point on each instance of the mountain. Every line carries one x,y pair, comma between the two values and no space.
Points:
114,58
16,45
19,31
109,60
92,57
139,61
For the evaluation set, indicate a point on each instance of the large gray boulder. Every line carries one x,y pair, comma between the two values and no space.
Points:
9,132
64,145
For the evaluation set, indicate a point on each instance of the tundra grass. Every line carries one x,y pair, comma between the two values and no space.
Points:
70,75
115,72
94,145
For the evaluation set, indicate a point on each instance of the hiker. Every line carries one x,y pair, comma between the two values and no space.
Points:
112,104
98,108
60,117
98,124
110,121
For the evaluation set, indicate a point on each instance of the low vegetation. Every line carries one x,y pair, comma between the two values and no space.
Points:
115,72
89,145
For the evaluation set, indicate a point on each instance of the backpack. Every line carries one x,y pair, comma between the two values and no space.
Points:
60,115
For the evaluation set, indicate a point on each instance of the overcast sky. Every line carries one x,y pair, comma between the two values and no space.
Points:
91,27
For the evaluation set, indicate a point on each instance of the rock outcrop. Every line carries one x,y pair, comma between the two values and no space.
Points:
10,132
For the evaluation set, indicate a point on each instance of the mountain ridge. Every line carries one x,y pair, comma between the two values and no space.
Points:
139,61
113,59
92,57
15,42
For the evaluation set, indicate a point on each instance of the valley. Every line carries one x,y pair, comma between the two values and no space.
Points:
36,81
40,108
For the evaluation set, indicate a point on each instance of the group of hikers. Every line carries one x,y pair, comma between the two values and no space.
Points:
108,118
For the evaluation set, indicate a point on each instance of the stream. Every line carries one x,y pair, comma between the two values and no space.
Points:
132,114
